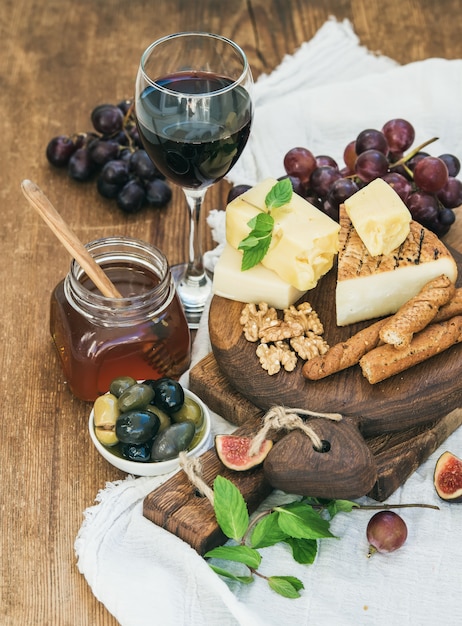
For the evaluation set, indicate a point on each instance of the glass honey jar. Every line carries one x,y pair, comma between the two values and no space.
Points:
144,334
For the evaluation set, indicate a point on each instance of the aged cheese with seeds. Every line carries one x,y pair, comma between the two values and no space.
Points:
255,285
370,287
379,216
304,241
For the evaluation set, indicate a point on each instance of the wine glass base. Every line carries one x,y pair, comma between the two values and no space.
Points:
194,294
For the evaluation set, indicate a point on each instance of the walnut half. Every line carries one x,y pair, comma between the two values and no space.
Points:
254,317
273,356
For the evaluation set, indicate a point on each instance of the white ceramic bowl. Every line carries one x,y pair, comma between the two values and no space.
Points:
155,468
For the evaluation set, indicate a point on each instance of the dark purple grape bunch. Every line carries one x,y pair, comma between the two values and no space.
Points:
112,153
427,185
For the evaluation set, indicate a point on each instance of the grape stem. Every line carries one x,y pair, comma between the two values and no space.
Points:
413,152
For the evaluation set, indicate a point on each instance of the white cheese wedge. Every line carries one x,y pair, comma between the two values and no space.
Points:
255,285
379,216
304,241
370,287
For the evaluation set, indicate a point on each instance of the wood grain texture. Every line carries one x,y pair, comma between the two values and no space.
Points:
60,59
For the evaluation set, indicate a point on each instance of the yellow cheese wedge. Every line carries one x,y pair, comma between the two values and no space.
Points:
255,285
370,287
379,216
304,241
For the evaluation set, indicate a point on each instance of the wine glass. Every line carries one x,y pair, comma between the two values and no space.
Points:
194,111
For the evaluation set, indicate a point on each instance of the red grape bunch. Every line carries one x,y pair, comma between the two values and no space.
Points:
426,184
112,153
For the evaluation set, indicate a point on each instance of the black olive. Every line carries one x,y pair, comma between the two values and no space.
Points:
168,394
139,452
137,426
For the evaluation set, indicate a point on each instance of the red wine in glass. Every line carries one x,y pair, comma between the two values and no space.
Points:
200,148
194,111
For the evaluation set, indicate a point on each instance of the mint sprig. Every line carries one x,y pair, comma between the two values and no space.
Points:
256,244
299,524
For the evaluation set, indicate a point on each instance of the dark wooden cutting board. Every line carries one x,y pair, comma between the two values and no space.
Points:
417,396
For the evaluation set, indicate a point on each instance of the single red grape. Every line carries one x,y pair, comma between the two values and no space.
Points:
299,162
431,174
59,150
324,159
322,179
349,155
424,208
452,163
400,135
371,164
451,194
399,183
107,119
341,189
371,139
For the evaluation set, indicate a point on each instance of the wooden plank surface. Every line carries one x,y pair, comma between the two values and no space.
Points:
59,60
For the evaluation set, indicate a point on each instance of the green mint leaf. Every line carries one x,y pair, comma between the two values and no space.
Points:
303,550
263,222
252,257
302,522
287,586
341,506
223,572
240,554
279,195
230,508
267,532
257,242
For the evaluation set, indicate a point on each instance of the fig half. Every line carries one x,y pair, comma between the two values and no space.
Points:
233,451
448,477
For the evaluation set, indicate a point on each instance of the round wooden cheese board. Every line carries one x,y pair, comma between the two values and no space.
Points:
415,397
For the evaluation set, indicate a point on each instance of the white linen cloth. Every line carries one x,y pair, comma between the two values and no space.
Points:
321,97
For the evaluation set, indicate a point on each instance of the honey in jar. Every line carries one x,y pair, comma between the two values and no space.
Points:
144,334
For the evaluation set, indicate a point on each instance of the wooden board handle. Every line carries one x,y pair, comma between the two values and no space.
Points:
344,469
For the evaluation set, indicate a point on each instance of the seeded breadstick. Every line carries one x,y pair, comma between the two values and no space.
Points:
386,361
417,312
451,308
344,354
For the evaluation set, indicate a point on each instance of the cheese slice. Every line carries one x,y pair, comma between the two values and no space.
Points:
304,241
255,285
379,216
376,286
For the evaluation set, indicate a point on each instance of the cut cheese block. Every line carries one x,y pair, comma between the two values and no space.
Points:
304,241
255,285
370,287
379,216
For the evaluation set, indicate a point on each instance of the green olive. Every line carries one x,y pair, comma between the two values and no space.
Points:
105,414
120,384
190,411
137,396
165,420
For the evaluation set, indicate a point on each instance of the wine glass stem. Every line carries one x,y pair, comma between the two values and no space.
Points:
195,270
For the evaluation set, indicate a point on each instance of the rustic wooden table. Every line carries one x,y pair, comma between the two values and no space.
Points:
59,60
